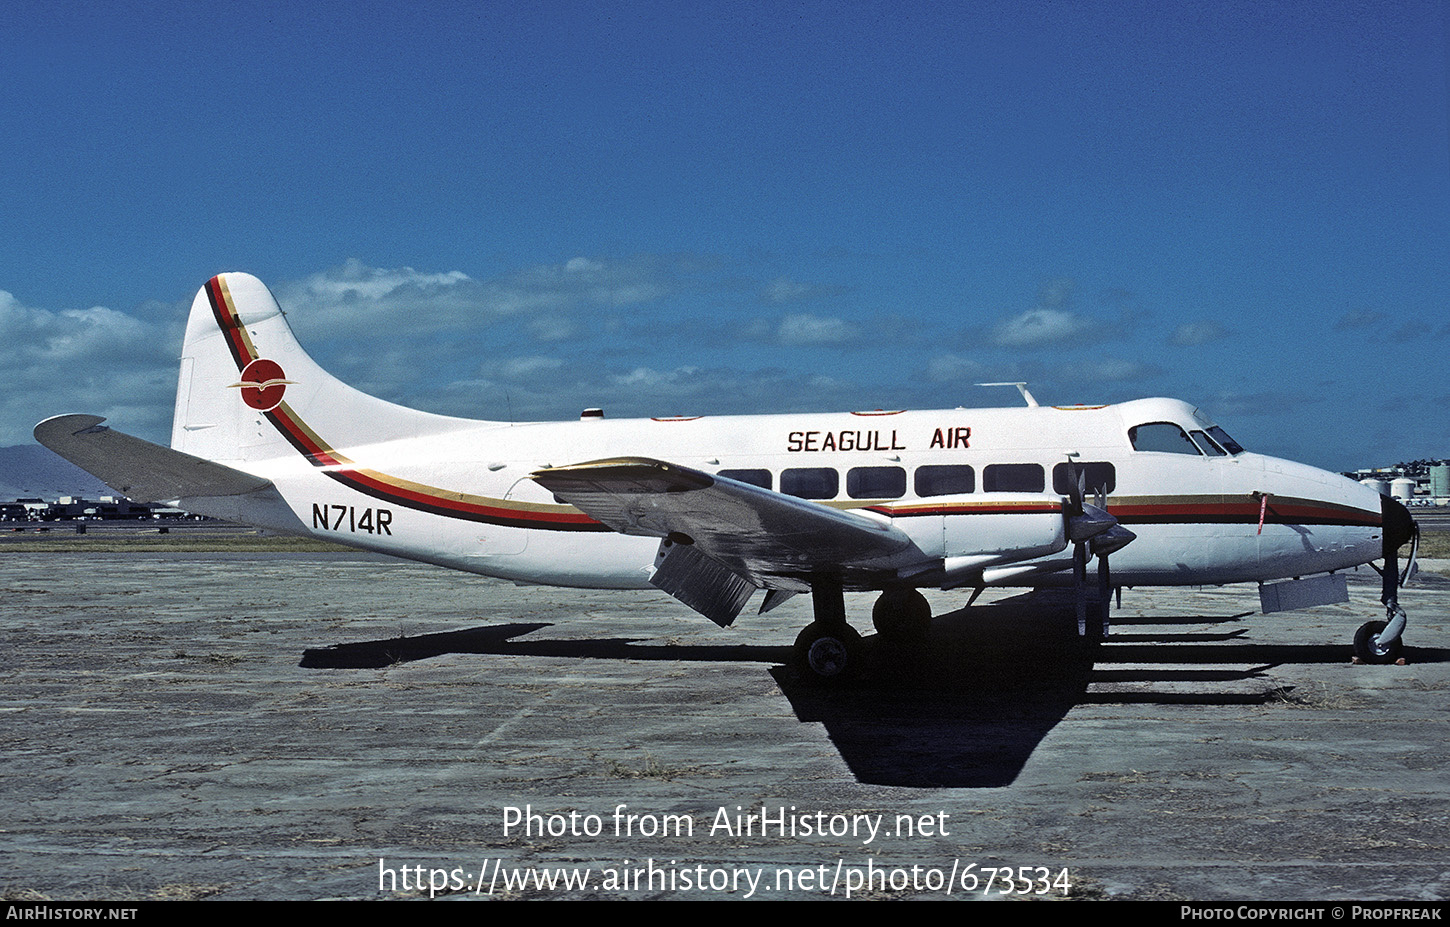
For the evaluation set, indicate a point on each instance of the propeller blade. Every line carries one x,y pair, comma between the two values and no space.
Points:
1079,584
1074,488
1105,590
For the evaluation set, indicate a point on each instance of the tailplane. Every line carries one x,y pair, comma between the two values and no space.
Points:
137,469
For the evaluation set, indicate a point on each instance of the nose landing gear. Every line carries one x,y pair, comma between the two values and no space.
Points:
1379,641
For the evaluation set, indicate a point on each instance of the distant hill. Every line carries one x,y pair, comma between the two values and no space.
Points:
29,471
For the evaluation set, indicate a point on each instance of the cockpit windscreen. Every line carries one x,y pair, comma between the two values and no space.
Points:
1168,438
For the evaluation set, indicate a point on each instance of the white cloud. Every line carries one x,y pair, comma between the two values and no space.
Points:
641,390
651,380
354,300
95,360
580,282
1041,326
581,265
1230,404
1109,370
534,342
953,368
800,330
553,328
784,290
1192,334
524,368
70,335
354,281
1057,293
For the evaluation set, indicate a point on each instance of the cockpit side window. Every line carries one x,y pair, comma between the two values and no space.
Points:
1207,444
1163,437
1224,441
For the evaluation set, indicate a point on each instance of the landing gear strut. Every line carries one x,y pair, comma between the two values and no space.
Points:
828,651
1379,641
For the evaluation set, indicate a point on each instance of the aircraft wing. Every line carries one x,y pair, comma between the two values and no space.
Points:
767,538
140,470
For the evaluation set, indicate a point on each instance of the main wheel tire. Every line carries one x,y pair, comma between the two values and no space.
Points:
902,614
1367,647
828,655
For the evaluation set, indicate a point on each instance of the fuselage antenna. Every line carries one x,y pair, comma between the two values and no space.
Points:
1021,388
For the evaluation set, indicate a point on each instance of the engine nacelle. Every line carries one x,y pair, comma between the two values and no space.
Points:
973,532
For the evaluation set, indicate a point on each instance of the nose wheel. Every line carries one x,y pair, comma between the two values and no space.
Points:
1367,646
1378,642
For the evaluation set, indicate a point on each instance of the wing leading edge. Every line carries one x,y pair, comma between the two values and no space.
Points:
748,537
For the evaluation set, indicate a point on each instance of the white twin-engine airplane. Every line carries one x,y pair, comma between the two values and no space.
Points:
710,509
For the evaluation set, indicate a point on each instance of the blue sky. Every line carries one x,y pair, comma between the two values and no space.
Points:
666,208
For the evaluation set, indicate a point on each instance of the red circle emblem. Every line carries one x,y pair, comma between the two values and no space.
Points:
263,384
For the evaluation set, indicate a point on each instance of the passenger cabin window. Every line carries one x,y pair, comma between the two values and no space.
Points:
759,478
1164,437
945,480
1096,477
876,482
810,482
1013,478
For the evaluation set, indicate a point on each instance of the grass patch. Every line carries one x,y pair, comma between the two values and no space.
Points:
1435,543
1321,697
652,769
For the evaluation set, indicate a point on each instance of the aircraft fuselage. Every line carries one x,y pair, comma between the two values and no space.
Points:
1231,517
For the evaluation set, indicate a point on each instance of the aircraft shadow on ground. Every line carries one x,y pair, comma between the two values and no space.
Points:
964,709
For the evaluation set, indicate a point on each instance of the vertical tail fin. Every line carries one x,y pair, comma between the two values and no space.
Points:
248,391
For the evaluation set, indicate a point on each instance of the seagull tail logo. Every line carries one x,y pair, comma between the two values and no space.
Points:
262,384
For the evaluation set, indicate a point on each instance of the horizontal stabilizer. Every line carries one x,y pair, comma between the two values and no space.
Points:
140,470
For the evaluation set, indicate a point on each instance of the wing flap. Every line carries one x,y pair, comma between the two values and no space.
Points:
703,583
755,532
140,470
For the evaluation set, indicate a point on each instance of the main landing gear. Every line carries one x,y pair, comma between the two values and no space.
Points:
830,652
902,615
